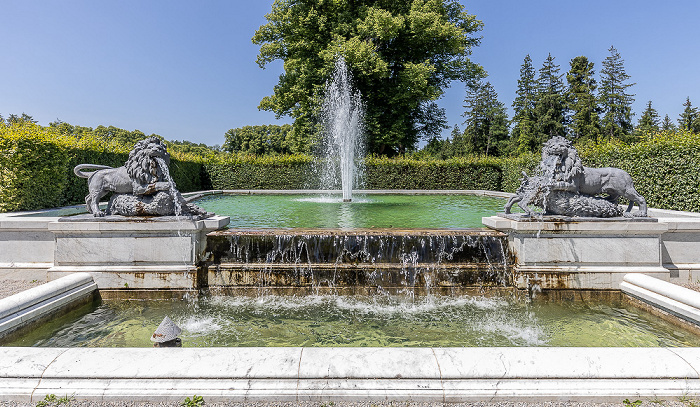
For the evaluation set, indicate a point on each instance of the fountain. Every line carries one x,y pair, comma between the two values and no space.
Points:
342,117
142,187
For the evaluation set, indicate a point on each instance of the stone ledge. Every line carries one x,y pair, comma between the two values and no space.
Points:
350,374
27,307
677,300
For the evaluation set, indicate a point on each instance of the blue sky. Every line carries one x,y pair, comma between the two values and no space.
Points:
187,71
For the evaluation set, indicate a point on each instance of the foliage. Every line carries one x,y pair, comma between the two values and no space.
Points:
245,171
265,139
690,118
523,133
550,109
402,56
51,400
195,401
649,122
32,165
615,102
629,403
36,166
581,102
128,138
457,145
663,167
512,168
454,173
667,124
486,120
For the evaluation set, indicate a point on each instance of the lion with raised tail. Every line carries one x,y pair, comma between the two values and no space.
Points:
563,186
140,175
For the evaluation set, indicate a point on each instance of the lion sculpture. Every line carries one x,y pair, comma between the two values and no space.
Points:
141,187
565,186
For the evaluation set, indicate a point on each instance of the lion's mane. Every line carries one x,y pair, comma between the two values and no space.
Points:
561,160
142,166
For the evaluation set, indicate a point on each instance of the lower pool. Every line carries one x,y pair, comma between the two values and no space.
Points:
362,321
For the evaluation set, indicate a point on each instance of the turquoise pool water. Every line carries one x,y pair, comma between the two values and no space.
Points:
365,211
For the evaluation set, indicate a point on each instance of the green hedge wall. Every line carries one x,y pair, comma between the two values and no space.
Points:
235,171
32,164
664,167
36,169
303,172
456,173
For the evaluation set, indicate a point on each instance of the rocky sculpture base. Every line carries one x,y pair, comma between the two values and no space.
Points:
566,203
159,204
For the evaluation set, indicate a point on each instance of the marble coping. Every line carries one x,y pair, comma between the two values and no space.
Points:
672,298
350,374
600,226
148,225
31,305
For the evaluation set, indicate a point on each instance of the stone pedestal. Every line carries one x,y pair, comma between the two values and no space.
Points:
140,253
552,253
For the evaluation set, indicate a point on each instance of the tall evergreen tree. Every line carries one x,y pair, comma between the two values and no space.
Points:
689,120
580,100
523,134
550,109
667,124
615,102
486,120
649,122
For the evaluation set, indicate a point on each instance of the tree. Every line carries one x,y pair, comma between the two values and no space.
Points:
24,118
615,102
688,119
667,124
265,139
580,100
486,120
550,109
649,122
402,55
523,134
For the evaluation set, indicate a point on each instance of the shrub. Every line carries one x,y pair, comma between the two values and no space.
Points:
36,166
663,166
453,173
32,167
240,171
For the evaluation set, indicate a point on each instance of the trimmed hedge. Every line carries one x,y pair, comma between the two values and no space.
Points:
455,173
239,171
36,169
664,167
301,172
32,168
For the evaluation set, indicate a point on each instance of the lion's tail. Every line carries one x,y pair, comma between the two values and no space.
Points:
78,170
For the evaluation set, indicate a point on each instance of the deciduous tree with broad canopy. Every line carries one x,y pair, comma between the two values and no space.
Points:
402,55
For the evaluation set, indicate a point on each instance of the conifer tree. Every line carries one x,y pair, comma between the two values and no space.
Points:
581,102
649,122
486,120
550,111
688,120
667,124
615,102
523,134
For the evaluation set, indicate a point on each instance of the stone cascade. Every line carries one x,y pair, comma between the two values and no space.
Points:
358,259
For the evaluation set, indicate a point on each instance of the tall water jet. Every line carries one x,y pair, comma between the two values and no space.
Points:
342,116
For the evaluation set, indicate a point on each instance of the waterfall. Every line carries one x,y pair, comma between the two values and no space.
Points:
172,190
